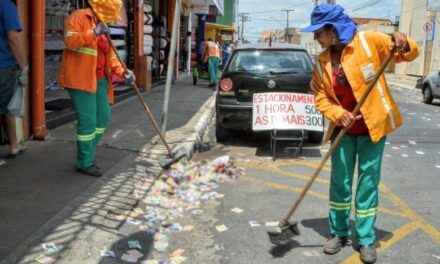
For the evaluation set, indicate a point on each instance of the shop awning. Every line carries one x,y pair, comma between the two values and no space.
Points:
219,27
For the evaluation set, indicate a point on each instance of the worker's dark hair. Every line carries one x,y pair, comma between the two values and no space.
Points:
209,39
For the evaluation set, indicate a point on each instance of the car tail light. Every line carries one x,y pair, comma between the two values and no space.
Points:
226,84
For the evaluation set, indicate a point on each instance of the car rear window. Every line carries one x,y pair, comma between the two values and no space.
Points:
263,61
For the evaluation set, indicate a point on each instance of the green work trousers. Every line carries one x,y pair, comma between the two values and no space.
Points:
369,160
213,63
93,114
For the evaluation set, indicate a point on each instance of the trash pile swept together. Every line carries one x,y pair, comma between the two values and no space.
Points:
178,191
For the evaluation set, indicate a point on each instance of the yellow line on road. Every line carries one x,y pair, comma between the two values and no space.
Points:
386,242
428,228
277,186
287,173
284,163
280,186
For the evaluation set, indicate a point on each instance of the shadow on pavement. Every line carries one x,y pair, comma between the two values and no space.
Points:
320,226
285,149
121,247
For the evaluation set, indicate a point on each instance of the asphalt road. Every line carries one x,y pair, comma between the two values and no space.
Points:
408,225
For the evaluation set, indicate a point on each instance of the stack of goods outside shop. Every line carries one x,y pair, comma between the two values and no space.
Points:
121,32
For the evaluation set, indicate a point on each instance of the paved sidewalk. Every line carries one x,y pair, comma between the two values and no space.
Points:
43,199
405,81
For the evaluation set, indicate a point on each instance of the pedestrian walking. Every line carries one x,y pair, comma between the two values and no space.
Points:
87,65
343,71
212,56
13,69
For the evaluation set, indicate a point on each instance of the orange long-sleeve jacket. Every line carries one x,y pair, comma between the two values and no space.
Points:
78,66
360,59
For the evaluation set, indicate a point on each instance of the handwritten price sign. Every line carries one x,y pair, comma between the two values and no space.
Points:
285,111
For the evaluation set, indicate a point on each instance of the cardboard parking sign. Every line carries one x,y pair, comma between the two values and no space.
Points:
285,111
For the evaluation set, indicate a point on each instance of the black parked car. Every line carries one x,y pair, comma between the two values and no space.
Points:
259,68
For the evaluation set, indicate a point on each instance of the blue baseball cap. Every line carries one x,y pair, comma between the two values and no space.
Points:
332,14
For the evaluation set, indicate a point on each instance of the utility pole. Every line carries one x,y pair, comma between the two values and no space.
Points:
244,18
287,10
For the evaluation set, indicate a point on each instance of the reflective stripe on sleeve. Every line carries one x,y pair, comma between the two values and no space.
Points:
88,51
365,44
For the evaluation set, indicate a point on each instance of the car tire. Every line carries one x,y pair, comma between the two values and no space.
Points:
221,134
315,136
427,95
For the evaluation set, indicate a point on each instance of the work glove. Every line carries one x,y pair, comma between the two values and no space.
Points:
129,76
23,75
101,28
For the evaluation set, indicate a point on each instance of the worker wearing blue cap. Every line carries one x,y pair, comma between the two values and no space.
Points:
342,73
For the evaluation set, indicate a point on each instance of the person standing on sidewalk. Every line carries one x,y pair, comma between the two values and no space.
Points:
13,69
212,56
343,71
87,65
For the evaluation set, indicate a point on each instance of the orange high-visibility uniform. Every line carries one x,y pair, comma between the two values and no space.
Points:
80,55
211,50
380,112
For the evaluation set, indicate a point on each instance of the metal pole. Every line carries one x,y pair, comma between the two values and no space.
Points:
286,37
170,67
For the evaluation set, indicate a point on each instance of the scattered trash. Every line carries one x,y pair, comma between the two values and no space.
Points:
44,259
108,253
395,148
437,166
178,190
388,156
311,253
221,228
188,228
133,221
49,248
134,252
237,210
177,253
404,147
134,244
412,142
420,152
254,223
405,155
2,162
160,242
437,257
152,261
272,224
130,258
177,260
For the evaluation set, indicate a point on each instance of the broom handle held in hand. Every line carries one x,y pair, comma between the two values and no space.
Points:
138,93
340,134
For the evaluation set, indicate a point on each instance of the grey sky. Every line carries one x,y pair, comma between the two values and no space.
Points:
266,14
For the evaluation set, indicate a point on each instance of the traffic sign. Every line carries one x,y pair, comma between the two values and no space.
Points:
427,27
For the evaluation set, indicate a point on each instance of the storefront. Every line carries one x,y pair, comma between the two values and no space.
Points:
45,44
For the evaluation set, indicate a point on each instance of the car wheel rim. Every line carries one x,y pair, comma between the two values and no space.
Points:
426,94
